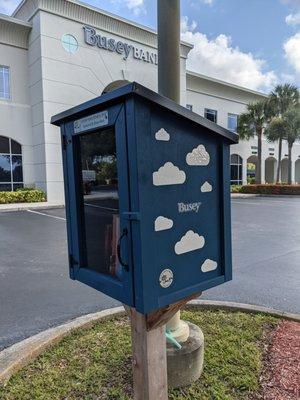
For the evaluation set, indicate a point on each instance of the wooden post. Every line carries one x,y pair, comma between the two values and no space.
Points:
150,381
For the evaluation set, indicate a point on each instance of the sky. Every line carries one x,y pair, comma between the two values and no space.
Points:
252,43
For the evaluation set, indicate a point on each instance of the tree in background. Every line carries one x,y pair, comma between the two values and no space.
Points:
282,98
288,128
252,123
292,132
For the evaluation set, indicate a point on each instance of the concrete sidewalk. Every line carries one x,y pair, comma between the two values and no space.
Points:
243,195
29,206
276,196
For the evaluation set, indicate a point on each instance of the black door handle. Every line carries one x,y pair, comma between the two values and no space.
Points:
124,233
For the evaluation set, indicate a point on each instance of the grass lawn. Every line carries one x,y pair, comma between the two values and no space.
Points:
95,363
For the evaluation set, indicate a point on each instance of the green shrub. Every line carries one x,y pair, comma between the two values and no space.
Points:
22,196
235,188
24,189
251,180
271,189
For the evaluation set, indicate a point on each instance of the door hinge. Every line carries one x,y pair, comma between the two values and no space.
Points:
132,216
65,142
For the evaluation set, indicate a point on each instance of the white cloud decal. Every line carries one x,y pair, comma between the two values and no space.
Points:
199,156
206,187
168,174
162,224
163,135
209,265
189,242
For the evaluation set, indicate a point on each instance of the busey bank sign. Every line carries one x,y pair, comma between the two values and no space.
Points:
93,38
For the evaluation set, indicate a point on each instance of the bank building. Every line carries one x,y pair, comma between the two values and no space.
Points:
55,54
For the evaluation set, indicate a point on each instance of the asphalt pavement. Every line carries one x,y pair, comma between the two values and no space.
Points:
36,292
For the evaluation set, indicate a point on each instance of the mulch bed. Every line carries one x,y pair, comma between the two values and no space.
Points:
281,377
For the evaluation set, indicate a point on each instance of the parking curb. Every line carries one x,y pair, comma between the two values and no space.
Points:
248,308
13,358
29,206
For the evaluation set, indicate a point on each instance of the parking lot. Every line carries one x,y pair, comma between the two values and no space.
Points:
36,292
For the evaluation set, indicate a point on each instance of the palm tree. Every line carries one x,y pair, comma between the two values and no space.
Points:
281,99
288,127
292,132
251,123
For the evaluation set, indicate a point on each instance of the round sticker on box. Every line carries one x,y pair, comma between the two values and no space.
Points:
166,278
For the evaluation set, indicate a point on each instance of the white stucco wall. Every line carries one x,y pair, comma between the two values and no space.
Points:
46,79
60,80
205,93
15,113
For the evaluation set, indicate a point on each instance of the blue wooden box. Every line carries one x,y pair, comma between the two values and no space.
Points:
147,187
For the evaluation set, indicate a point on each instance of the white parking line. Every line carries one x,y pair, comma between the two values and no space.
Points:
103,208
46,215
261,203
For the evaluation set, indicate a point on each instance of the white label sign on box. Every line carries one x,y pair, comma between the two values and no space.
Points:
91,122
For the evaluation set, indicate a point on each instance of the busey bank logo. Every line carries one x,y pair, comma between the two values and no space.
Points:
93,38
189,207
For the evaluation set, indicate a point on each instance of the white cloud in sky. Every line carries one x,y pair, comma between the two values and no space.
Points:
8,6
293,19
294,3
195,3
292,51
218,58
209,2
186,26
137,6
287,77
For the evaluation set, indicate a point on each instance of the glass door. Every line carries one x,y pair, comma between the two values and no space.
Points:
100,196
100,234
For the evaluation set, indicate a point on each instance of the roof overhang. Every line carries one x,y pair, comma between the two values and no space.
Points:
14,32
95,17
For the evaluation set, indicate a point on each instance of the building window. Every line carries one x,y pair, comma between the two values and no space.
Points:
232,122
189,107
4,83
11,169
211,114
236,165
69,43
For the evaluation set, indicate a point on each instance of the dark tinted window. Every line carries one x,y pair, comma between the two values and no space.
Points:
11,171
5,169
15,147
236,162
17,168
4,145
100,200
17,186
210,114
4,187
234,172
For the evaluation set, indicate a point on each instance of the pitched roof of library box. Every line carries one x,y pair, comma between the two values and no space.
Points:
136,89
